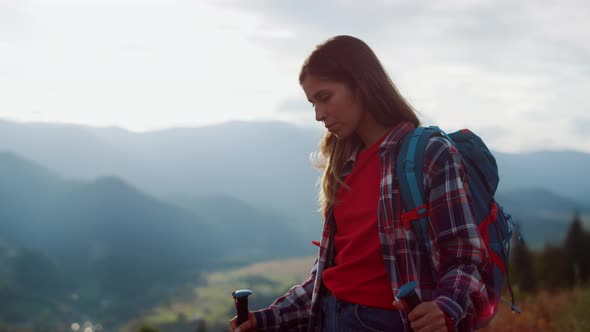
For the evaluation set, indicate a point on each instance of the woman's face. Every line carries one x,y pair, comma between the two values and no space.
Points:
335,104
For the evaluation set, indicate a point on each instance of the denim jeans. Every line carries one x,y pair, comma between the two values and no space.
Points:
342,316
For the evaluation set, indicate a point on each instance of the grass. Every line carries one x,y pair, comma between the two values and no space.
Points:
565,310
213,301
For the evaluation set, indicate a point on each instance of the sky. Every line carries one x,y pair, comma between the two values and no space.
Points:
515,72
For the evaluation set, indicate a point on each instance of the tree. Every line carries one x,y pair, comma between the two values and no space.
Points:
201,326
554,267
36,273
577,262
522,268
147,328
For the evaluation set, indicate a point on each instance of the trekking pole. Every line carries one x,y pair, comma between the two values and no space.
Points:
408,294
241,302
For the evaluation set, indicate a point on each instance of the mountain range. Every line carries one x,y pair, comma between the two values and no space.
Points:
108,216
114,248
101,222
266,166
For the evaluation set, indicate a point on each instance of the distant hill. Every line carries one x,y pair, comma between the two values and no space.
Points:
212,301
117,220
564,173
540,201
262,164
116,247
543,216
249,231
100,218
107,216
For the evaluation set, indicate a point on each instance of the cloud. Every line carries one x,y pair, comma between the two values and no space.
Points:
501,34
295,105
519,66
516,71
311,22
140,65
581,126
15,23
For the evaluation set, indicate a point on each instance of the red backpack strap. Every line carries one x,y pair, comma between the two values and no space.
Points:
483,230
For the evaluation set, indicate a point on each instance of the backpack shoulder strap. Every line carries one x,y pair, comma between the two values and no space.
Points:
409,169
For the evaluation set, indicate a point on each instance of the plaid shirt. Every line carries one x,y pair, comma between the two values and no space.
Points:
458,252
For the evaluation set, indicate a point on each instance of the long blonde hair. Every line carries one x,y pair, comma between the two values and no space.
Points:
350,61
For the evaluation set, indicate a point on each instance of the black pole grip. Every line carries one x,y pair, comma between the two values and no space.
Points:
242,308
408,293
241,302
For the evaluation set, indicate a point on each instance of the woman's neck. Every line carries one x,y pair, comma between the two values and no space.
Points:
370,135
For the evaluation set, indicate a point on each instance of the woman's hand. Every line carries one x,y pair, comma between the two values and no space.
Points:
426,317
249,325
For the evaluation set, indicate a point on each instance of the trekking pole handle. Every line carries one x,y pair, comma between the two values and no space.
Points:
241,301
408,294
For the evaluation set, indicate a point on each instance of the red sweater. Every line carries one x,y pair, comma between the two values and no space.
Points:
359,274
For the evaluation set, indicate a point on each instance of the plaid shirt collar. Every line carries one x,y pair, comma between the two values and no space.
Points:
395,135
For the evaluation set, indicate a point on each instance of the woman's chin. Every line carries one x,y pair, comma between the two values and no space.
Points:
341,134
336,134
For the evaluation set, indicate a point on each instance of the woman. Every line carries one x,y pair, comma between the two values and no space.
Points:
365,254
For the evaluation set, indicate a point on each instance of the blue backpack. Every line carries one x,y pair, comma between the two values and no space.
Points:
494,225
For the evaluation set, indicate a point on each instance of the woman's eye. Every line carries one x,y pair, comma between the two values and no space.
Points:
321,99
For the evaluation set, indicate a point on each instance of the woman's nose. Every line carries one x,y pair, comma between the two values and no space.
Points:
319,115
